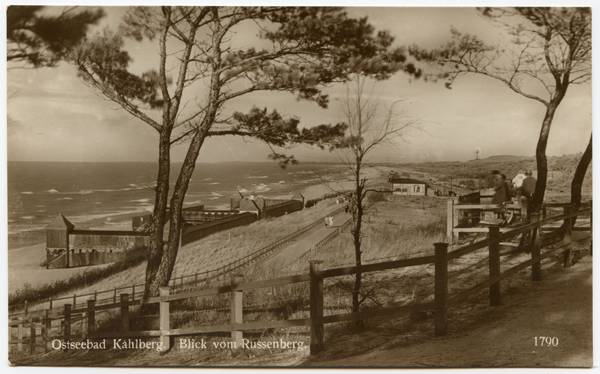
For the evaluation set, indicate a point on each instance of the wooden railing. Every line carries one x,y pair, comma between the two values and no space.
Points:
315,277
453,216
313,251
253,258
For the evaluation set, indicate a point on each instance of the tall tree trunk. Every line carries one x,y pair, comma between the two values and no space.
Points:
579,176
357,236
542,161
358,258
169,255
159,217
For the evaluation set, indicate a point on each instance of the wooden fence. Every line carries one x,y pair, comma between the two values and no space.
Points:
193,233
315,277
460,216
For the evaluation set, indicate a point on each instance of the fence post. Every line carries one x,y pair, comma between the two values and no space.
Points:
50,307
568,239
133,292
450,221
316,307
20,335
115,296
74,299
494,249
236,309
47,331
67,320
164,319
91,317
536,268
591,227
26,308
124,312
441,288
32,337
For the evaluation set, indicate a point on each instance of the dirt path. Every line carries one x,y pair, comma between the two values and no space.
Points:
560,306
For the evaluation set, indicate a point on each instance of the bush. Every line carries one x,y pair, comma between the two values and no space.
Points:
375,197
313,202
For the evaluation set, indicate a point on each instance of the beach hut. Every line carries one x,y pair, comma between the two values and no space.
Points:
408,186
57,238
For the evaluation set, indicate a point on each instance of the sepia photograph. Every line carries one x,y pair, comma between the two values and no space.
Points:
287,186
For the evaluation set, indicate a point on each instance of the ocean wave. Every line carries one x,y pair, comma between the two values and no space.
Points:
12,230
216,194
27,217
131,189
258,177
52,191
104,215
64,198
197,202
243,190
82,192
140,201
214,183
27,193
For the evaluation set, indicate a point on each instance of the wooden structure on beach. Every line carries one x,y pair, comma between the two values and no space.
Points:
67,247
408,186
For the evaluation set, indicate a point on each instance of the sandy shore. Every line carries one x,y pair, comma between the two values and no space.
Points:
373,173
23,267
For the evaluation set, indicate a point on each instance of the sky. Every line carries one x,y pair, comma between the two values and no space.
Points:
53,116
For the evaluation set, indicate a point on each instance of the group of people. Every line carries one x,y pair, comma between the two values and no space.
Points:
503,192
328,221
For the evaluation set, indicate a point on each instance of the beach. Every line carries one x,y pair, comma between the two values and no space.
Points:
372,173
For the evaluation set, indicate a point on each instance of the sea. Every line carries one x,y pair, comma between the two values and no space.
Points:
100,194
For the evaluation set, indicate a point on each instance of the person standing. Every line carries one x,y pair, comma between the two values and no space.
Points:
502,194
527,190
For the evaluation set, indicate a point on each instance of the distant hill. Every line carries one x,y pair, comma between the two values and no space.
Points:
506,164
503,158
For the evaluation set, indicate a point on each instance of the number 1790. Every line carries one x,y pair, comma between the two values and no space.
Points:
546,341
